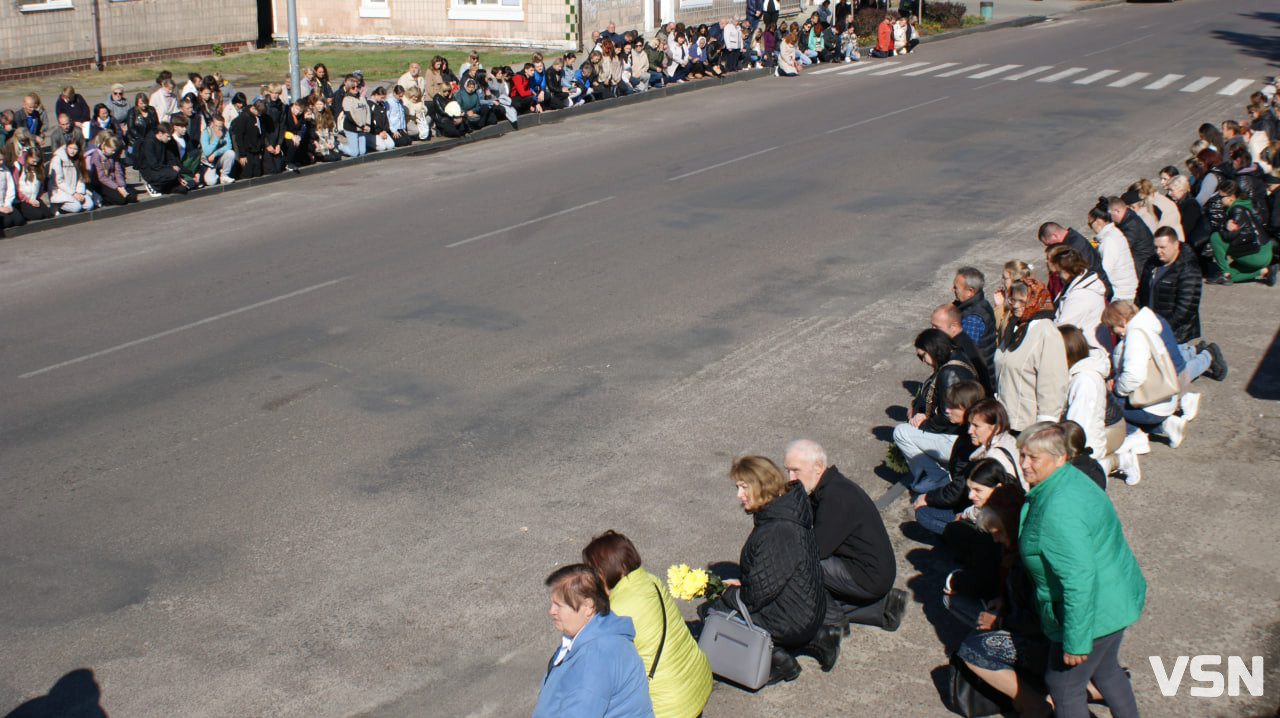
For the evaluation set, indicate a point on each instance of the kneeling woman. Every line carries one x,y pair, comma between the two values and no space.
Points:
781,584
679,675
596,672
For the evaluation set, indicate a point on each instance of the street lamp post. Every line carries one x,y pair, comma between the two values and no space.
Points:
295,79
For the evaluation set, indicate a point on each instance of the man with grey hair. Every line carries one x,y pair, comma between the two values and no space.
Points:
977,318
858,564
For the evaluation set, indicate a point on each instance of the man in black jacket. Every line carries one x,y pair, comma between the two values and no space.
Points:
977,318
1135,231
946,318
1052,233
160,163
246,139
856,555
1170,286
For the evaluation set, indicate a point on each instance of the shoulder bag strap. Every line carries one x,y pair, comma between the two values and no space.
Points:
657,656
1017,470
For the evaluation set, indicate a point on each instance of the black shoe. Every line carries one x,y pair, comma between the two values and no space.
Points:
894,607
1222,279
1270,279
1201,347
1218,365
825,647
785,667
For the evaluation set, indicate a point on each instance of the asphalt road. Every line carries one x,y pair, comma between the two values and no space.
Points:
310,449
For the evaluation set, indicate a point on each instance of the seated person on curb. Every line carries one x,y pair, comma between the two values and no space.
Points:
977,317
935,509
946,319
247,141
1052,233
67,175
65,132
106,171
379,125
884,37
10,216
1170,286
858,565
160,164
1240,249
218,158
925,439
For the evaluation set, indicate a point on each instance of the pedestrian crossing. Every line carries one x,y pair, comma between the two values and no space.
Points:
1046,74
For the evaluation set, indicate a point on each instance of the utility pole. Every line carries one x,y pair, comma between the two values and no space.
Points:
295,77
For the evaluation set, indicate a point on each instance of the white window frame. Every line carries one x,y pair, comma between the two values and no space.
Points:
46,5
510,10
694,4
375,8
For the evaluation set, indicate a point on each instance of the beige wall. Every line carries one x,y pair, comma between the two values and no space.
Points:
545,23
51,36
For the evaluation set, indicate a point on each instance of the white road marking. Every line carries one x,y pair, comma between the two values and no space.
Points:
898,68
545,217
963,70
1032,71
861,68
1064,73
1051,23
1164,82
927,70
1235,87
1129,79
1090,79
887,114
718,165
827,69
1200,84
184,327
994,71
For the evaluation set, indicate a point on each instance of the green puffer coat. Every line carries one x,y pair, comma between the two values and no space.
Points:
1087,581
682,683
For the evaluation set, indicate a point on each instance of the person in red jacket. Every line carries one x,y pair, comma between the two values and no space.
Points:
884,36
522,97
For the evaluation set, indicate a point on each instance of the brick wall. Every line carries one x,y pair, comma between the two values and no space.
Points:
50,38
129,58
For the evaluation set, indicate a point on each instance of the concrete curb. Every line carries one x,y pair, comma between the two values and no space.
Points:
419,150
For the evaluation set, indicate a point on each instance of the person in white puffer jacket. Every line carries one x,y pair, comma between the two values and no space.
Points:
67,173
1117,261
1139,331
1083,297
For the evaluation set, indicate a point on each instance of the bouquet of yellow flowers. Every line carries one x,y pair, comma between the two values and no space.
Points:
687,583
895,461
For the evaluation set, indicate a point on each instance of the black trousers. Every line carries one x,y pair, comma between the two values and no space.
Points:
847,600
13,219
111,196
251,168
42,211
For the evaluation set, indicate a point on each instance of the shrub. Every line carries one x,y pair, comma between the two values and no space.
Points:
947,14
866,20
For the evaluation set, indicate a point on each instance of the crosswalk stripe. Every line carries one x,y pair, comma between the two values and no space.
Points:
828,69
1065,73
899,68
1029,73
963,70
1090,79
1129,79
1164,82
994,71
856,70
1235,87
1200,84
935,68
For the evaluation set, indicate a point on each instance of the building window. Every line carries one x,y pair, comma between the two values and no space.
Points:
691,4
374,8
43,5
486,10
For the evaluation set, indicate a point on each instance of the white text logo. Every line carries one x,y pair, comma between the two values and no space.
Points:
1203,671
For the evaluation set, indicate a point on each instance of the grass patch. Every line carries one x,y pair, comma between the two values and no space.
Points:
971,20
246,69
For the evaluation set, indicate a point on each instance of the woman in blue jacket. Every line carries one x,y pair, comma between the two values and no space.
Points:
596,672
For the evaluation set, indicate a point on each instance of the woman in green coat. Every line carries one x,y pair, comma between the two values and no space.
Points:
1088,587
679,675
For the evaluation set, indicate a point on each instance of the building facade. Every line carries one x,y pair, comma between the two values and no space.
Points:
48,37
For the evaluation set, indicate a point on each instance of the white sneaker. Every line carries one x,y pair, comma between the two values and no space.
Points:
226,179
1129,465
1175,428
1190,403
150,190
1135,442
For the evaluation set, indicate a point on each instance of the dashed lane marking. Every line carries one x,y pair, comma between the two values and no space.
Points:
1129,79
1063,74
994,71
856,70
1164,82
963,70
1200,84
927,70
1029,73
898,68
1235,87
1101,74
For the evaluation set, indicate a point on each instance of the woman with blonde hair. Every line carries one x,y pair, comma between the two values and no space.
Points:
1157,208
1014,270
105,172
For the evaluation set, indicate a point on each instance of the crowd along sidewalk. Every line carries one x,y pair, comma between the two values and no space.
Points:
1009,13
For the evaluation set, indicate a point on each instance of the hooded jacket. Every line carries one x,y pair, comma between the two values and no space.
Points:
1141,241
781,577
1174,294
1031,372
600,677
1081,303
1087,401
1118,262
1131,358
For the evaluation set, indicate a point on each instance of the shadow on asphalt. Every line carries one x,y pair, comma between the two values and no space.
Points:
1265,382
75,695
1266,47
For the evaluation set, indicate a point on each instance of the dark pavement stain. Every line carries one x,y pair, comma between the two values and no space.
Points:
391,393
690,341
435,310
286,399
59,587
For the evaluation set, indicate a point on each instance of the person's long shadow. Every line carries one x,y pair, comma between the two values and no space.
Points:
75,695
1265,47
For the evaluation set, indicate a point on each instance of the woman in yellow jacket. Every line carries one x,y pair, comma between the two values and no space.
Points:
679,675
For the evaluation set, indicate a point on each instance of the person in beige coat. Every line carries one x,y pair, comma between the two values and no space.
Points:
1031,361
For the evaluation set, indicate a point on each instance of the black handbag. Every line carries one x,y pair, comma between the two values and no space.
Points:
970,696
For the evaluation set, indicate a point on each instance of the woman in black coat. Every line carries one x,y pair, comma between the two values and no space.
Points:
781,584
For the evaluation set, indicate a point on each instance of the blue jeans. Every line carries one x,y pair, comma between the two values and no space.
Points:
1143,419
803,59
934,519
927,456
1197,362
356,144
